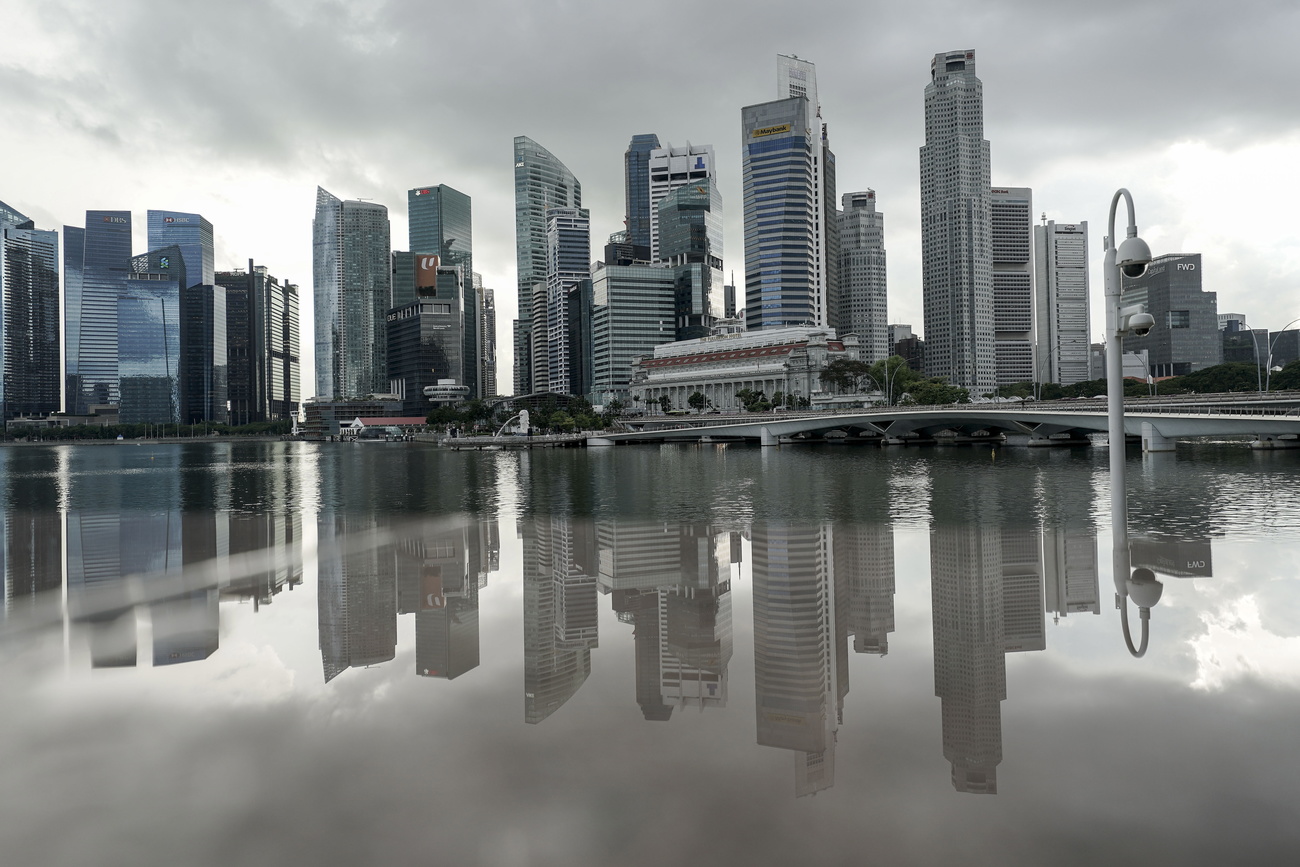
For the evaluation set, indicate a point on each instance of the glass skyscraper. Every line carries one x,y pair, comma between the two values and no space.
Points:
441,224
690,239
541,182
192,234
424,335
636,180
568,253
29,317
149,338
96,263
262,340
350,271
204,369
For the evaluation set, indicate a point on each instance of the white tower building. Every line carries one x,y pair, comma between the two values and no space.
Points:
670,168
863,308
956,254
1061,302
1013,283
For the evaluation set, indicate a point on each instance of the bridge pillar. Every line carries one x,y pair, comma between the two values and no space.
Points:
1154,441
766,438
595,442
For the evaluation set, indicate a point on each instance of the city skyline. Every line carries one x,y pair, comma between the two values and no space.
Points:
84,153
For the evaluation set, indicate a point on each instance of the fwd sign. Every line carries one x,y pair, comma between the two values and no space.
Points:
1186,266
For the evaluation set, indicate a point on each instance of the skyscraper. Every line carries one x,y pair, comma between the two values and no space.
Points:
264,376
441,224
1186,334
149,353
29,317
541,182
424,336
204,360
636,182
789,279
1061,302
863,308
488,329
350,272
956,254
1011,210
689,238
96,261
671,168
568,257
192,234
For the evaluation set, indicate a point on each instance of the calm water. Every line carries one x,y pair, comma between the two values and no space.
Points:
274,653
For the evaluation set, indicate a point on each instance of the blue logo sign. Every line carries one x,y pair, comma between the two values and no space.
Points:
699,162
164,262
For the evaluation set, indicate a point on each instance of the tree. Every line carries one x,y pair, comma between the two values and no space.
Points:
893,377
561,421
846,375
697,401
935,392
665,403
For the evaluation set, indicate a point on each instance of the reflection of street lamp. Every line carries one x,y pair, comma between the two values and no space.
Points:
1130,260
1269,372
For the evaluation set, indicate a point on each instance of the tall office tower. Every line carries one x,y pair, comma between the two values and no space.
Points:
670,168
350,273
789,205
863,307
1022,587
956,252
1186,335
424,335
1013,284
1061,302
29,317
689,235
799,648
568,265
632,312
636,184
96,260
541,182
489,330
441,224
795,77
193,235
204,362
264,374
559,632
149,338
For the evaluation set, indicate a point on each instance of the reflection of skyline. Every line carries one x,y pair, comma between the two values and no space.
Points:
356,587
800,649
559,612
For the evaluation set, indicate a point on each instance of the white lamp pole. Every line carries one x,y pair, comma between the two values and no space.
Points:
1129,259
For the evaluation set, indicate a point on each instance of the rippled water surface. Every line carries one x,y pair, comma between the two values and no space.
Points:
273,653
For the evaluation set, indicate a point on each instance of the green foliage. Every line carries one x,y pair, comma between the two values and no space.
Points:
935,392
753,401
697,401
1289,377
665,403
847,376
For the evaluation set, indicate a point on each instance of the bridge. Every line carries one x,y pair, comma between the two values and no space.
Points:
1272,419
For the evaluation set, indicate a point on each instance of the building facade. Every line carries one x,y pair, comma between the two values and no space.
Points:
787,361
956,254
633,307
192,234
441,223
264,372
29,317
204,359
1061,302
1011,209
568,266
542,182
636,186
96,261
671,168
689,235
863,301
350,273
1186,334
425,343
488,328
149,348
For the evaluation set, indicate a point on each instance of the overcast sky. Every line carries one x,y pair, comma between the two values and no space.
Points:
239,110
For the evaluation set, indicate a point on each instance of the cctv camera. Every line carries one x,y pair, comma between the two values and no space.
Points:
1141,324
1133,256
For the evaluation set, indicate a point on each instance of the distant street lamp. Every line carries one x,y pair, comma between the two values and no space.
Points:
1269,366
1130,259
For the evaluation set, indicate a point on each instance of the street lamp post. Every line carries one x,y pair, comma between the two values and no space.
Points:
1268,375
1129,259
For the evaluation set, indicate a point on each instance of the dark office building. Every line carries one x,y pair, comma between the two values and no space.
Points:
96,261
690,239
29,317
578,311
1186,334
264,376
149,351
636,181
203,354
441,224
424,335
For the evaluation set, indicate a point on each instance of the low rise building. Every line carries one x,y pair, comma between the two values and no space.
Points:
786,361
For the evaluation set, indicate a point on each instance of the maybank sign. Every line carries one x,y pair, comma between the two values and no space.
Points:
770,130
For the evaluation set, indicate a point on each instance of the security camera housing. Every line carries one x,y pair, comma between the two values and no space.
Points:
1134,270
1140,324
